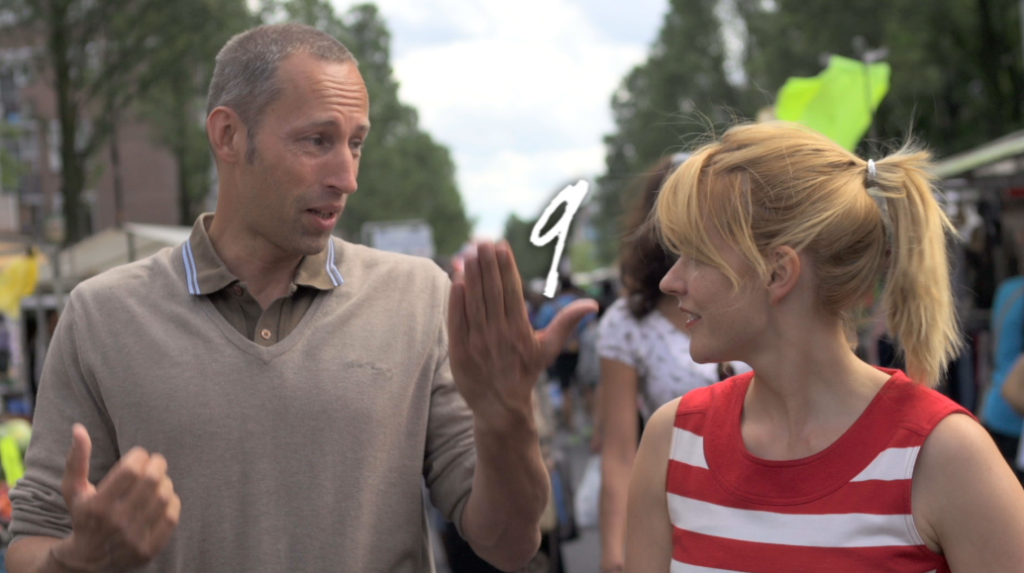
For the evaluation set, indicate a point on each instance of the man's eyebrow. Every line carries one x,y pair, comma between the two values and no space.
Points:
362,127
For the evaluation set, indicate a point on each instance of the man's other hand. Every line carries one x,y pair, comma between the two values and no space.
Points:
124,522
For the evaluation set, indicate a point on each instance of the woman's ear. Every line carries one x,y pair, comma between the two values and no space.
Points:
784,272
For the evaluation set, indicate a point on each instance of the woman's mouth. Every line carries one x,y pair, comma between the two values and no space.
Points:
691,318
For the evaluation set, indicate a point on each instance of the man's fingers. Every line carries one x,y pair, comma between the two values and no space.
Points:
76,471
159,502
515,303
554,336
164,527
458,329
123,476
144,490
476,312
493,295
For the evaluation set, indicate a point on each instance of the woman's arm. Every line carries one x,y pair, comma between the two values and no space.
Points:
619,442
648,528
967,503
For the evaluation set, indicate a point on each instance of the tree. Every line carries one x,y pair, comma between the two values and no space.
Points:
175,103
677,95
533,262
99,56
404,173
957,78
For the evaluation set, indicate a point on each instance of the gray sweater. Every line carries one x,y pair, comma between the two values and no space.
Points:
307,455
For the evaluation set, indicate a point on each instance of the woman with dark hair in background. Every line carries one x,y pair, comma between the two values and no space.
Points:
645,360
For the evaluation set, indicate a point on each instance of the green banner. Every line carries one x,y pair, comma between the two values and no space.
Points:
840,102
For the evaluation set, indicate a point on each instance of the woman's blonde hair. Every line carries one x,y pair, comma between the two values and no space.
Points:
768,185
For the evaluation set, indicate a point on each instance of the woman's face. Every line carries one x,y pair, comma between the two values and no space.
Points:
723,321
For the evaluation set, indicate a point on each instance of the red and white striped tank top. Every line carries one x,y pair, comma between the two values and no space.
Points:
845,509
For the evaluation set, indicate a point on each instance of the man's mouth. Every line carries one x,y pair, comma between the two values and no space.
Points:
323,214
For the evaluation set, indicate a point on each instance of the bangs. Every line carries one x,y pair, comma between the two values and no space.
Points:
686,206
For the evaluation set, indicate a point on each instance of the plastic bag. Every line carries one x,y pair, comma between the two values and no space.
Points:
588,495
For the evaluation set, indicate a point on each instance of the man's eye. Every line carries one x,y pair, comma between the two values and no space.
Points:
357,144
317,140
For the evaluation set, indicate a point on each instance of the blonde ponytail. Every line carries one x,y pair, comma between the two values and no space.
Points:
917,299
776,184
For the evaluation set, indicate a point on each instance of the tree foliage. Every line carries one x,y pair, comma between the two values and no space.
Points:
957,76
174,104
109,58
100,56
679,92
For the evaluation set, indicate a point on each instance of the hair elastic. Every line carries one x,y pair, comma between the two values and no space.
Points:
872,170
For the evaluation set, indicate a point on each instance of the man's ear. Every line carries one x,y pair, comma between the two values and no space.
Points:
784,272
227,134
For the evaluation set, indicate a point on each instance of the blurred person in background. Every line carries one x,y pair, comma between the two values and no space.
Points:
564,368
645,360
999,418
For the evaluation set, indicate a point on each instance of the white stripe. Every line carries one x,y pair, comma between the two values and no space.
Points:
832,530
688,448
332,271
195,271
891,464
680,567
190,271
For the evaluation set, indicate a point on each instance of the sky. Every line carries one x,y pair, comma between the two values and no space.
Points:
518,91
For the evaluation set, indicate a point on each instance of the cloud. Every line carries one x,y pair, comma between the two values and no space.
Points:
519,91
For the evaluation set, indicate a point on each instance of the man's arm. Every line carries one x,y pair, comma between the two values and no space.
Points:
62,522
33,554
496,358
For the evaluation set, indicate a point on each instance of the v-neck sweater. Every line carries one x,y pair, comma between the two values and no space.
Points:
307,455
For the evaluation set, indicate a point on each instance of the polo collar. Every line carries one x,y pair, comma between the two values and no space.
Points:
206,273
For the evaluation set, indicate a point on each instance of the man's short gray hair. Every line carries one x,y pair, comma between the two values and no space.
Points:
245,74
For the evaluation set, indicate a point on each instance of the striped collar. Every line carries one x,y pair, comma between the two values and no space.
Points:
206,273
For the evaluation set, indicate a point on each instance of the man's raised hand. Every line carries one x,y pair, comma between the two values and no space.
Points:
494,352
124,522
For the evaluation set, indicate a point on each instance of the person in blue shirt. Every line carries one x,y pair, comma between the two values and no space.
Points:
998,417
564,367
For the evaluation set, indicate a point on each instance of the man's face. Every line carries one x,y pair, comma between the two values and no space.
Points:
307,154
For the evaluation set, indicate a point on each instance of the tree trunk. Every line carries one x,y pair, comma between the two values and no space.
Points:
73,168
181,102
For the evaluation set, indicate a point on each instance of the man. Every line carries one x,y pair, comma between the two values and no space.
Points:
294,390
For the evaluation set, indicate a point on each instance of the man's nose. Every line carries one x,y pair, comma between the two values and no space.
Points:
342,171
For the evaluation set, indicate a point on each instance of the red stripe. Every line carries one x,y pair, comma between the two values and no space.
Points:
905,438
873,497
751,557
693,423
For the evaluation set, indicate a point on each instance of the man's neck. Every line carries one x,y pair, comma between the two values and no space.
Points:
266,270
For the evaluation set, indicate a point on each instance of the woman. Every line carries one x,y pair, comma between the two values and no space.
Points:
645,358
818,461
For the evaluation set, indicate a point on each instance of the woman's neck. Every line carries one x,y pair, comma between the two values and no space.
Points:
809,388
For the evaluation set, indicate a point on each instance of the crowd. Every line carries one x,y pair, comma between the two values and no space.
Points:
267,397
